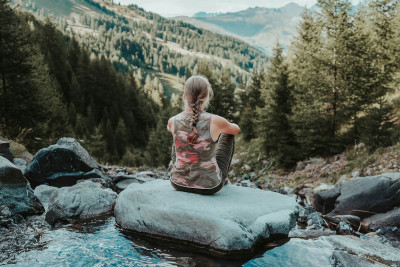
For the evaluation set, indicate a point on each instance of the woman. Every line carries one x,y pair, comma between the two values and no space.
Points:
203,142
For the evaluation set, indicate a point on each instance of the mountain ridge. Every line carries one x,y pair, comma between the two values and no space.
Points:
261,27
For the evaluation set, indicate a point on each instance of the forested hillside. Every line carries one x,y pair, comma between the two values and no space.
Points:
338,85
146,43
50,87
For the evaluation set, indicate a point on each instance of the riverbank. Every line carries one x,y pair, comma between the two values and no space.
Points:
70,193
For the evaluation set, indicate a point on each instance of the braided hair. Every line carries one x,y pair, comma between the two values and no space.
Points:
197,93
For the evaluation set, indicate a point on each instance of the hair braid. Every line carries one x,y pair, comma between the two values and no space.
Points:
195,118
197,94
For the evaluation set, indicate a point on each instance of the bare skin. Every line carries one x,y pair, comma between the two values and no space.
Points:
218,125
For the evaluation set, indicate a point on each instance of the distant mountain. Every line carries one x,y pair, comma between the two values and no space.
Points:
259,26
145,43
205,14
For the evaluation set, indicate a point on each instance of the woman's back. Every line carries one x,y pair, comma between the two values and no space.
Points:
200,163
196,165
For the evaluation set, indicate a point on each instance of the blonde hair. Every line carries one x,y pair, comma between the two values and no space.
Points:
197,94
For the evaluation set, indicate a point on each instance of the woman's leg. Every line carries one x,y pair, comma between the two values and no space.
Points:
224,153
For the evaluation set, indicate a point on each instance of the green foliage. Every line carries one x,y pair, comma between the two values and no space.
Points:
247,124
223,102
278,137
147,41
332,89
50,88
376,127
30,101
158,151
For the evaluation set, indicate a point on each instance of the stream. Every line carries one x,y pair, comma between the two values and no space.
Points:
102,243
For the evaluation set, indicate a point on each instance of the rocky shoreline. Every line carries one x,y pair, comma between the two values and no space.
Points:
66,185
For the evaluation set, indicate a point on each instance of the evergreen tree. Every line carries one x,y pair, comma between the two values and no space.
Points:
307,118
158,151
251,100
278,137
226,96
96,145
247,125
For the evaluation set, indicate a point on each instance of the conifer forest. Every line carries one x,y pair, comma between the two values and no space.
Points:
114,84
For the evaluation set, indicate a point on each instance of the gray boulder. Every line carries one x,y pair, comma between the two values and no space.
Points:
333,250
304,213
315,219
43,193
61,164
82,201
233,219
15,191
310,232
382,220
367,250
20,164
361,196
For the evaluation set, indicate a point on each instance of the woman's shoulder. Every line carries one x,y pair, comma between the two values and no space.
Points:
216,118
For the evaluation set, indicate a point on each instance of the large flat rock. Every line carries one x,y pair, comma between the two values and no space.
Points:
234,219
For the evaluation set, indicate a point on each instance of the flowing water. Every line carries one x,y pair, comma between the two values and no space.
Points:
102,243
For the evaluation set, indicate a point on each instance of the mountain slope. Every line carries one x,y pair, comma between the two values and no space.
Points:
145,43
259,26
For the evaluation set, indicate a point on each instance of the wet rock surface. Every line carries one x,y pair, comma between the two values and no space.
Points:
333,250
85,200
77,190
382,220
16,193
222,222
361,196
61,164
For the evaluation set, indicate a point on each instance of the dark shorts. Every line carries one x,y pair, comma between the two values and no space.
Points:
224,153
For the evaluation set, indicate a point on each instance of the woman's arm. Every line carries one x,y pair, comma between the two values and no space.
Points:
223,126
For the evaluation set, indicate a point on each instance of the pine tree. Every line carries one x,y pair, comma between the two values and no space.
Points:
158,150
308,117
96,145
278,137
227,96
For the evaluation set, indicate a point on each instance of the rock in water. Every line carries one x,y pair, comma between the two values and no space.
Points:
15,191
85,200
333,250
61,164
361,196
43,193
234,219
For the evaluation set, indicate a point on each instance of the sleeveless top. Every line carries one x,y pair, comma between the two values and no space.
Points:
196,165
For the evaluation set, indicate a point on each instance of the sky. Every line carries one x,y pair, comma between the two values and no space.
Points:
171,8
